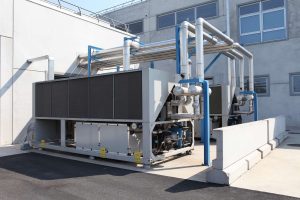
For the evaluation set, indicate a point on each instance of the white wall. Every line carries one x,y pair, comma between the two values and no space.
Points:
41,29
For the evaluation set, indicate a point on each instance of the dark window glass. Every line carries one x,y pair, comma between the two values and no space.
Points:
250,39
250,24
208,10
253,8
273,19
186,15
274,35
296,83
261,85
166,20
270,4
136,27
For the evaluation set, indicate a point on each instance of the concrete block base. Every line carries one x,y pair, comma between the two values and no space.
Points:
265,150
228,175
274,143
253,158
282,137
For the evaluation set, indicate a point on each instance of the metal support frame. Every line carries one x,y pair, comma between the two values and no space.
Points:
255,102
206,119
90,57
177,49
212,62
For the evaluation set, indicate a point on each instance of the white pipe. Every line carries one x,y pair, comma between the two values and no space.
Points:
250,64
241,70
184,47
50,71
126,52
199,49
233,73
251,75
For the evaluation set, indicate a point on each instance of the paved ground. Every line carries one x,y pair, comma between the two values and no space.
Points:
36,176
279,172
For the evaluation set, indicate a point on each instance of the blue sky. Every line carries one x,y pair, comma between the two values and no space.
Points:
95,5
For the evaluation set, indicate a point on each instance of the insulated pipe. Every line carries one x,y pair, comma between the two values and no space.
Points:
241,70
233,73
207,26
128,43
250,64
184,47
50,71
199,49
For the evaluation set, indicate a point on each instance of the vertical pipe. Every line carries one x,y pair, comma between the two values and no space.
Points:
89,60
126,54
50,68
255,106
233,73
251,76
184,48
177,37
206,123
199,49
241,70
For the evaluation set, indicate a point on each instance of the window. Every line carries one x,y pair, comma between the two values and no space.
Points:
295,84
262,21
207,10
261,85
186,15
136,27
166,20
189,14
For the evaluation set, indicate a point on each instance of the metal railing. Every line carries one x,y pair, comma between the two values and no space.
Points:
87,13
120,6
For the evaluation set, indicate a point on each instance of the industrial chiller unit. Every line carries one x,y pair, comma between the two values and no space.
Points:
141,115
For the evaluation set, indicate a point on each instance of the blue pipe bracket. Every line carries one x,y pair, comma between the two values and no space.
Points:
206,120
90,57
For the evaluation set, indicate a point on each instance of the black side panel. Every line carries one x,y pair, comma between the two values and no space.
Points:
43,99
216,100
101,97
128,96
60,99
78,98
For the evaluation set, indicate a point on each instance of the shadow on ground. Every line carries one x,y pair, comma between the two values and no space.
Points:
46,167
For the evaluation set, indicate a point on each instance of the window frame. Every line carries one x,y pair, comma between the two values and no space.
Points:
261,13
137,21
186,8
292,92
268,85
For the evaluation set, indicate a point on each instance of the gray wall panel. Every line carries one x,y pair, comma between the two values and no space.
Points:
101,97
60,99
43,100
78,98
128,96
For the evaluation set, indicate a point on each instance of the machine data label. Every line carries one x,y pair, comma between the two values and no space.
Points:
137,157
102,152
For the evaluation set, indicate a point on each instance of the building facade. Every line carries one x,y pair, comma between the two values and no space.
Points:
270,29
34,28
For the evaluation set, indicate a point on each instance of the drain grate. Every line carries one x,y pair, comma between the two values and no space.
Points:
294,145
291,132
